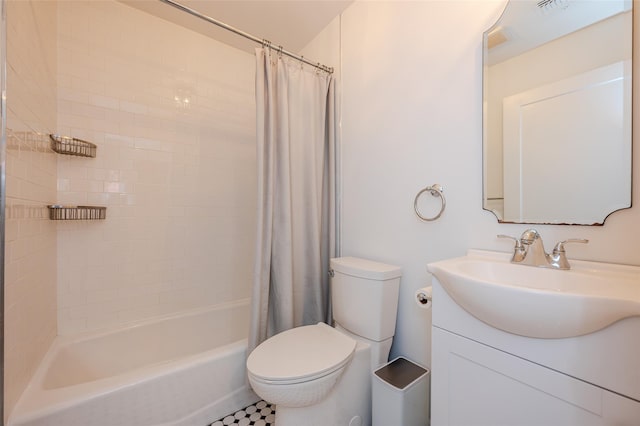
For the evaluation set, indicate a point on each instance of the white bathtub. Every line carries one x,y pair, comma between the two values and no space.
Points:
184,370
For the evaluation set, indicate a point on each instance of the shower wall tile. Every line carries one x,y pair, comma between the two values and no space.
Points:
173,115
30,237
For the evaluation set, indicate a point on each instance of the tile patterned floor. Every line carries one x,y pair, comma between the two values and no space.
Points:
259,414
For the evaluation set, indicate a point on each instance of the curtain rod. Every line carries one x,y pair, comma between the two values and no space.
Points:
264,42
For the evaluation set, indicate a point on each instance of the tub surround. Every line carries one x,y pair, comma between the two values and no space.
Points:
175,167
151,104
30,238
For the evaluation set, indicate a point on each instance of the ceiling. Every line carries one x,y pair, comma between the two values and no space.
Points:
291,24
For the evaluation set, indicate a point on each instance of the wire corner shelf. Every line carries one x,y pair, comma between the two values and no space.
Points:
72,146
58,212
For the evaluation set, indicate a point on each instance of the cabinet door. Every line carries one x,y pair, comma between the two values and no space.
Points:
473,384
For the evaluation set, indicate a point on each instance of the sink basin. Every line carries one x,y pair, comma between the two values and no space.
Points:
539,302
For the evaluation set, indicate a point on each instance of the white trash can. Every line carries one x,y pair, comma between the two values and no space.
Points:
400,391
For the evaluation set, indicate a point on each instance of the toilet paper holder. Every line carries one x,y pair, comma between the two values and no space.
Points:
422,298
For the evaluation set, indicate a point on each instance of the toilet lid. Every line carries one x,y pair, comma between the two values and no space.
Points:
301,353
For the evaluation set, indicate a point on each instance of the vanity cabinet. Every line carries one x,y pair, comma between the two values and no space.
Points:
476,385
484,376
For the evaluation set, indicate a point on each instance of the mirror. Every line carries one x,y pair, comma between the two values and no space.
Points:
557,111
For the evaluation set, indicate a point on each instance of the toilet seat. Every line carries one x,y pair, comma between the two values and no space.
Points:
300,354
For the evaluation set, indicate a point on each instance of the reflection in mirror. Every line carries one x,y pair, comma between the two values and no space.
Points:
557,111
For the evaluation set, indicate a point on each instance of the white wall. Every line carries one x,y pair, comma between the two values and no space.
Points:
411,117
178,180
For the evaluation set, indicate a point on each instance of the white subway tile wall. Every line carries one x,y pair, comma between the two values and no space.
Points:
173,115
30,237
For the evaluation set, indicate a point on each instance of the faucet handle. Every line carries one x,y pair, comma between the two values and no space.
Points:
518,249
559,248
559,256
516,240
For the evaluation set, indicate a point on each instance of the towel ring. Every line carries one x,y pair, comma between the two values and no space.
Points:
436,191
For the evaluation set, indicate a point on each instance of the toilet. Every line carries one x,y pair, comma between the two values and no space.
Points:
321,375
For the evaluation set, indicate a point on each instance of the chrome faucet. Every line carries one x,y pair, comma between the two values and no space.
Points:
529,250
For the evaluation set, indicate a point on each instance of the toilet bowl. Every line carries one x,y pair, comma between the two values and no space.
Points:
320,375
299,367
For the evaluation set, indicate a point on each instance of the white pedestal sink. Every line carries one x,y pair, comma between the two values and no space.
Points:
537,302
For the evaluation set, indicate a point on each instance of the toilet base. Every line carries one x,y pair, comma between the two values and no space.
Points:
348,404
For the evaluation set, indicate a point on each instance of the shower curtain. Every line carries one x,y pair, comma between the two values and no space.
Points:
296,195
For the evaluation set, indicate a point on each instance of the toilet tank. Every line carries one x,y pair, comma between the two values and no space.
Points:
364,297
